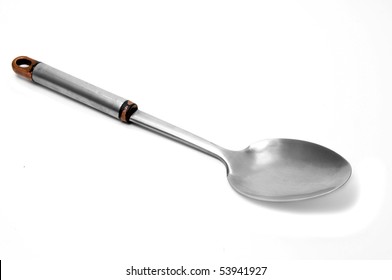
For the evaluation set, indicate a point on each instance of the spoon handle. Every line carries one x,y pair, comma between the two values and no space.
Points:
74,88
108,103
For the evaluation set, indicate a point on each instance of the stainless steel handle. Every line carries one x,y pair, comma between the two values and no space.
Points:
74,88
109,103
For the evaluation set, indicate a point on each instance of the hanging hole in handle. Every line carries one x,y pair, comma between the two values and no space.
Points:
24,66
23,62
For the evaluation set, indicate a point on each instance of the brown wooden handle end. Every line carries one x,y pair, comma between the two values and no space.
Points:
23,66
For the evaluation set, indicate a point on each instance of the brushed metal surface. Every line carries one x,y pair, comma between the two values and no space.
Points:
77,89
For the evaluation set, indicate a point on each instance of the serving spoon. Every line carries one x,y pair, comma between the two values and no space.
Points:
269,170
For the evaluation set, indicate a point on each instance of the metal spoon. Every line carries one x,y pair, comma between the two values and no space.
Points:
270,170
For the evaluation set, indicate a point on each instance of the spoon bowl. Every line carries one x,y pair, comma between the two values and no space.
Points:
286,170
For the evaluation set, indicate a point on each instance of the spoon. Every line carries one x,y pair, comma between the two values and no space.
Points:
268,170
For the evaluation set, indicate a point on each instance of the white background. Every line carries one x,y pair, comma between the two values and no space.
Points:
78,185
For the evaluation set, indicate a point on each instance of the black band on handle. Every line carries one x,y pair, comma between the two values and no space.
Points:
126,111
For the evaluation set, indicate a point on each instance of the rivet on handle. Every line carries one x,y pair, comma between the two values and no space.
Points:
23,66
